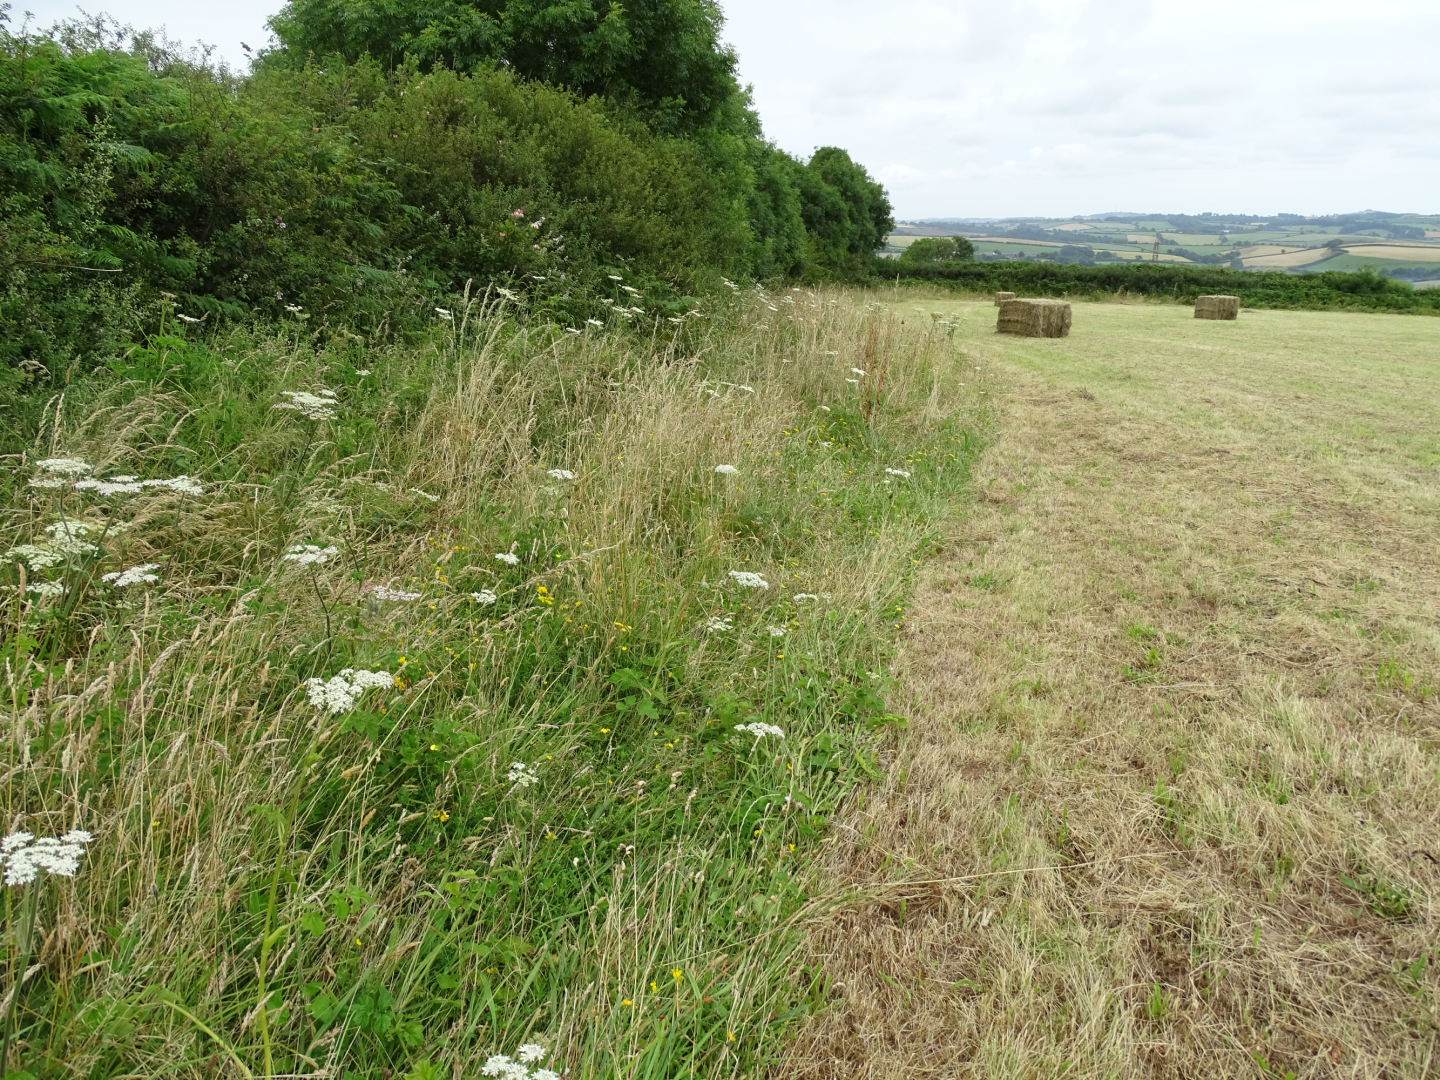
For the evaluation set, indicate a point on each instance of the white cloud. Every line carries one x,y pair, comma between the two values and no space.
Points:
1259,105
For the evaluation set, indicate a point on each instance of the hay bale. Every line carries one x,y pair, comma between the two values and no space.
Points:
1003,296
1217,307
1034,318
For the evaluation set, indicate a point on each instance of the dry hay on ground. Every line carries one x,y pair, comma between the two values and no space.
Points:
1166,806
1411,252
1003,296
1217,307
1034,318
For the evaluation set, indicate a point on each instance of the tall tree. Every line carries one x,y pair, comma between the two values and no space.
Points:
665,56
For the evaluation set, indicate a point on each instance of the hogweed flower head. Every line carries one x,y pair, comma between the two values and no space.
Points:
484,596
65,466
509,558
760,729
136,575
341,692
24,855
522,775
380,592
309,554
560,474
727,470
749,580
318,406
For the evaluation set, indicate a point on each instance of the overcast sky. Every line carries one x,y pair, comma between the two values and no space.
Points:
1009,107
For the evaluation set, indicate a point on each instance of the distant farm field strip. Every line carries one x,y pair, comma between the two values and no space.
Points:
1406,252
1304,257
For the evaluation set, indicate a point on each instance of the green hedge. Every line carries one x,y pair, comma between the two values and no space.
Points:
1362,291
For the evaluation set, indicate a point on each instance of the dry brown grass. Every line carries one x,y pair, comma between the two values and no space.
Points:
1257,503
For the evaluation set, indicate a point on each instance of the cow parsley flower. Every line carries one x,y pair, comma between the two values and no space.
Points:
899,472
134,576
855,381
48,481
857,371
804,596
362,372
35,556
522,775
594,322
560,474
189,318
760,730
65,466
185,485
445,314
727,470
319,406
509,558
46,589
776,631
309,554
70,537
484,596
380,592
342,691
718,623
116,485
530,1053
749,580
24,855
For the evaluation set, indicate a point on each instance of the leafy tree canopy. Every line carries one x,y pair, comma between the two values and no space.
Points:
847,214
938,249
663,55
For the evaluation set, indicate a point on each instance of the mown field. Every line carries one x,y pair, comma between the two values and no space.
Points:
1168,804
428,701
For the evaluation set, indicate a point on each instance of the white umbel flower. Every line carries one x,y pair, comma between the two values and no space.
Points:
717,624
484,596
136,575
380,592
857,371
726,470
804,596
749,580
65,466
898,472
760,729
560,474
509,558
522,775
318,406
116,485
342,691
776,631
24,855
309,554
530,1053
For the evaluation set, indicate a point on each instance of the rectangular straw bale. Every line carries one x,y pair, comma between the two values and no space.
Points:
1034,318
1001,296
1217,307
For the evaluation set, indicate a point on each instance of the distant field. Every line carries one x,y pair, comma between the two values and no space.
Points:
1074,226
1348,262
1403,252
1303,257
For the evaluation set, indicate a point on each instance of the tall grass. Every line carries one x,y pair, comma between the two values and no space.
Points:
550,829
